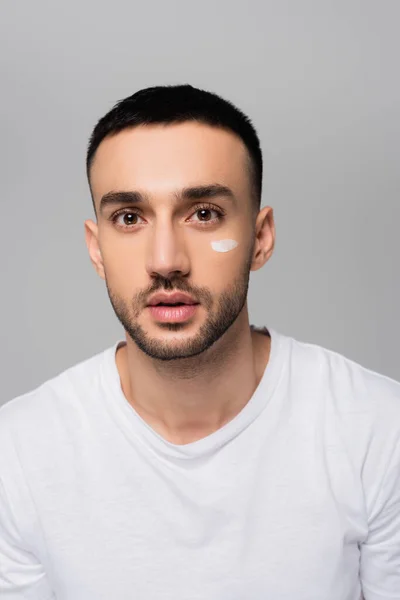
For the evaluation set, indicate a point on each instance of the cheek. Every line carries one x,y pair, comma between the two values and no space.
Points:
217,260
124,271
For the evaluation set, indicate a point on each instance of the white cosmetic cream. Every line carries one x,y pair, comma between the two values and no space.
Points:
224,245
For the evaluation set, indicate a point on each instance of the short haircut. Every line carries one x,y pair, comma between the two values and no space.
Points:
178,104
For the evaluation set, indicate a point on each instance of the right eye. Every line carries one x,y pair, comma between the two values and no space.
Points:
129,219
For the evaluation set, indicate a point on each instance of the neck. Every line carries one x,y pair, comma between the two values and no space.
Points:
187,399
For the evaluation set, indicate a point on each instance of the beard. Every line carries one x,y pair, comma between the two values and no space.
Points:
218,321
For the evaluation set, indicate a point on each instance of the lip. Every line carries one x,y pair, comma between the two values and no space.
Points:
174,298
174,314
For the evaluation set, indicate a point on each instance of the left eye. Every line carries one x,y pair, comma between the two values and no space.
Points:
205,214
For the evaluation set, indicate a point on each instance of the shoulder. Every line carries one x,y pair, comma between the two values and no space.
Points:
353,386
43,430
358,408
39,412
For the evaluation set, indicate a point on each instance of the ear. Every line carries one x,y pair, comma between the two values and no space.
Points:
92,243
264,238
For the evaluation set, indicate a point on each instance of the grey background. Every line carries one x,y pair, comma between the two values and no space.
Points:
320,81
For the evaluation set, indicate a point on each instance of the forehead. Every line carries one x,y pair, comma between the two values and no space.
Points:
159,159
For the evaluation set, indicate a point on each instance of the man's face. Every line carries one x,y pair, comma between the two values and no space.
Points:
160,216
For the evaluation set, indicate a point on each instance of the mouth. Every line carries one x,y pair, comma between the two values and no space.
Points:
174,307
171,304
178,312
171,299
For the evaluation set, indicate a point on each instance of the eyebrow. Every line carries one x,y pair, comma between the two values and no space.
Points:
198,192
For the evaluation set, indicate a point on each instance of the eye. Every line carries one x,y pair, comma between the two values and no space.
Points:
126,218
205,215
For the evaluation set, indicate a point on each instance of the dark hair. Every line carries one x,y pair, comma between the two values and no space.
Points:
177,104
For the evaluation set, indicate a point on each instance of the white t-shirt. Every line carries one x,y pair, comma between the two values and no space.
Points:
296,498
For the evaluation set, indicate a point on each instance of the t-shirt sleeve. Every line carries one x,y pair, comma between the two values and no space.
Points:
21,574
380,553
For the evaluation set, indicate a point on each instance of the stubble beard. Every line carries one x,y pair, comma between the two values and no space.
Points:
218,321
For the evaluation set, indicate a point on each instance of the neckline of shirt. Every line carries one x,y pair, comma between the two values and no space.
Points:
137,429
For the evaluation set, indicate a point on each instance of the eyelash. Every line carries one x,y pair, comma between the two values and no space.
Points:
126,211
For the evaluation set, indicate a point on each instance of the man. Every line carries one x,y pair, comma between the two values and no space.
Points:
201,457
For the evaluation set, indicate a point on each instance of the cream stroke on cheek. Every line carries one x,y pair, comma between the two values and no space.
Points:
224,245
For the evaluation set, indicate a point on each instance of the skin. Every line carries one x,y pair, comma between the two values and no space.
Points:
185,380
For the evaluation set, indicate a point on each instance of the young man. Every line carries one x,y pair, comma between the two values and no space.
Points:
201,457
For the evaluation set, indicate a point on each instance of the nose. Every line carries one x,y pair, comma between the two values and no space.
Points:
167,255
